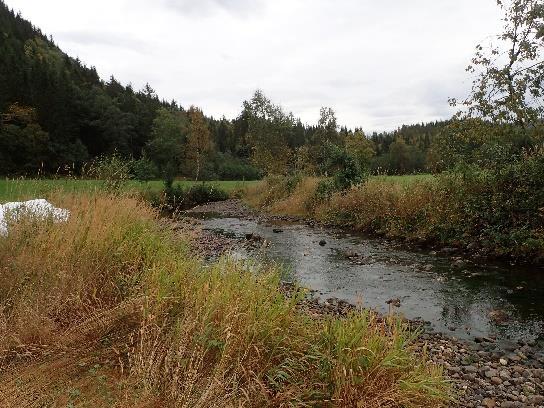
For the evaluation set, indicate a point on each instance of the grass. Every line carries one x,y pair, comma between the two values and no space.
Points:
112,309
20,189
404,180
487,212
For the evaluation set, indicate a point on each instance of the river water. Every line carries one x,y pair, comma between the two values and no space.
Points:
462,300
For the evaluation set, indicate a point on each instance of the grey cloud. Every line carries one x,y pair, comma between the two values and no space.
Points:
104,38
241,8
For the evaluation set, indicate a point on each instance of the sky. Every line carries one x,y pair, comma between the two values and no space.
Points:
378,64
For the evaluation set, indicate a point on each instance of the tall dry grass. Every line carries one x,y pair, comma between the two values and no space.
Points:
199,335
422,210
56,275
393,209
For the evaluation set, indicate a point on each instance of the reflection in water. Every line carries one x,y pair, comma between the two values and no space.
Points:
456,299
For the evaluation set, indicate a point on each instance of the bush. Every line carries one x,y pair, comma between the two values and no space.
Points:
114,170
229,167
177,198
232,170
145,170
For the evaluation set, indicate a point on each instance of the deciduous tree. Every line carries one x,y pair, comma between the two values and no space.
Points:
199,143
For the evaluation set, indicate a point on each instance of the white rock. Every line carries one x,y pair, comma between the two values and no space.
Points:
40,209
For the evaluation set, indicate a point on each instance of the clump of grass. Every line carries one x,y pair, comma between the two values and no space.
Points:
55,275
199,335
227,336
299,202
397,210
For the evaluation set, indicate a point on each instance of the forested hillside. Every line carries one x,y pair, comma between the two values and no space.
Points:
57,115
57,111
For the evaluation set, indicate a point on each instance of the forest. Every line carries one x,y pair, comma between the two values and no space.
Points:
57,114
59,118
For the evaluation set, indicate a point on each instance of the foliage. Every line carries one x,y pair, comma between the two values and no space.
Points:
24,146
166,146
113,170
344,166
508,85
199,144
360,148
144,169
268,133
177,197
232,168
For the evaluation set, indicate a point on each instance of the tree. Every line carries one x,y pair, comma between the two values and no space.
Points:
24,146
166,146
343,166
144,169
361,148
326,133
199,143
508,87
268,133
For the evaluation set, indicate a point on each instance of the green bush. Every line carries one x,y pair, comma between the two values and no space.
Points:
114,170
178,198
145,170
237,170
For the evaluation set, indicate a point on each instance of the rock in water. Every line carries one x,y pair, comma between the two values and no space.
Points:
322,242
499,316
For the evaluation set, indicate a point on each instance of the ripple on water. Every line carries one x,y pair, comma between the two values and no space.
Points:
455,296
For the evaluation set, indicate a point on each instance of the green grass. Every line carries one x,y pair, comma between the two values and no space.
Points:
405,180
22,189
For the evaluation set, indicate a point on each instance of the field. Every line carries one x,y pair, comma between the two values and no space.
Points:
21,189
404,180
124,313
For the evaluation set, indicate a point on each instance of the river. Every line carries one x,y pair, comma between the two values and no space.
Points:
462,299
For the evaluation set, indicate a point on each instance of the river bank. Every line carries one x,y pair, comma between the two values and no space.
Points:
126,312
470,214
484,372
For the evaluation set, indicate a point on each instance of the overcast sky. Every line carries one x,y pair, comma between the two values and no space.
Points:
377,63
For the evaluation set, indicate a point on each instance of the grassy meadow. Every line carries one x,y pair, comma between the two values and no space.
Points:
20,189
112,308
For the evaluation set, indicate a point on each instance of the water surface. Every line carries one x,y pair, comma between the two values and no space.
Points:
463,300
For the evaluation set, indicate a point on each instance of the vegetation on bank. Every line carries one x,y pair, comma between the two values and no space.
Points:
22,189
491,212
184,332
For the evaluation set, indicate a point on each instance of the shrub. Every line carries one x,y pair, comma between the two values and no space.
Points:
177,198
145,170
238,170
113,170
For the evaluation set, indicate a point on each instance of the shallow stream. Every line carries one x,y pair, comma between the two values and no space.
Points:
459,298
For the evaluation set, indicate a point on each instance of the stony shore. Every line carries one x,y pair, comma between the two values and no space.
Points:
482,373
